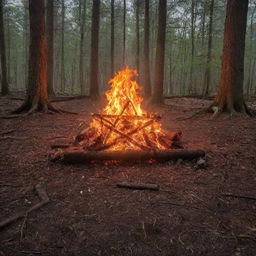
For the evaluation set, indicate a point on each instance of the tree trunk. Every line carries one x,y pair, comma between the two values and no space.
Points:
157,97
137,36
8,48
25,40
5,87
50,48
147,84
94,86
230,92
112,50
62,46
170,72
207,75
37,97
249,79
81,57
203,24
124,35
191,89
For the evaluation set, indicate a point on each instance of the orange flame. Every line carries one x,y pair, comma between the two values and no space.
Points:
123,114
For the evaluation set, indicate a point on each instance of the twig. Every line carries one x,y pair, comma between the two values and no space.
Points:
7,132
154,187
22,227
238,196
44,200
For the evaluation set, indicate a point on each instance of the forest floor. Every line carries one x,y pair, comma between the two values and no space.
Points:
88,215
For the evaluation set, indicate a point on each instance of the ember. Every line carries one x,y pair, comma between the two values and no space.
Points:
123,124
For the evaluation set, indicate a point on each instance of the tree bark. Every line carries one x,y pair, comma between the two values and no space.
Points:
157,97
112,50
230,92
207,75
50,48
147,83
94,86
5,87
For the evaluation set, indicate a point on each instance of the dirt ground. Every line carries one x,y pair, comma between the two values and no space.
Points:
192,213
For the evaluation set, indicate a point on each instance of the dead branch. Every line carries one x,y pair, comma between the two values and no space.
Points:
238,196
7,132
44,200
81,156
154,187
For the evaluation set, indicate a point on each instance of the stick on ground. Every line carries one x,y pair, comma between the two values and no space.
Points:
44,200
154,187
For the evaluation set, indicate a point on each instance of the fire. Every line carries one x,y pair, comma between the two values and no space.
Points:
123,124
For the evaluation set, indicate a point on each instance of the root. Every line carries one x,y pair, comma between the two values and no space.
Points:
201,112
218,108
28,109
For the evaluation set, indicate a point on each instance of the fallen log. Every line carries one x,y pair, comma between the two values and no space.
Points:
44,200
154,187
79,156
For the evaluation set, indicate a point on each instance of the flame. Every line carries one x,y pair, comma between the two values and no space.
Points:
124,114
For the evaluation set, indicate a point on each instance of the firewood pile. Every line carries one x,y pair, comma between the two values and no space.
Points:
123,130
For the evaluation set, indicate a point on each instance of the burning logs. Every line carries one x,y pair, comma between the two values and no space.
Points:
81,156
123,131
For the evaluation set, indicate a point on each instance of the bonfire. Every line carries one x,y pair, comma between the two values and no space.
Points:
123,124
123,130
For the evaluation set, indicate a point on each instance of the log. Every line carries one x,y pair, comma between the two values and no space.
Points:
154,187
44,200
79,156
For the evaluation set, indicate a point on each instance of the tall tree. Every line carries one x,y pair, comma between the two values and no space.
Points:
94,86
146,75
124,35
37,97
112,47
137,11
251,61
25,40
82,11
5,87
50,48
207,75
191,88
157,97
62,72
230,92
